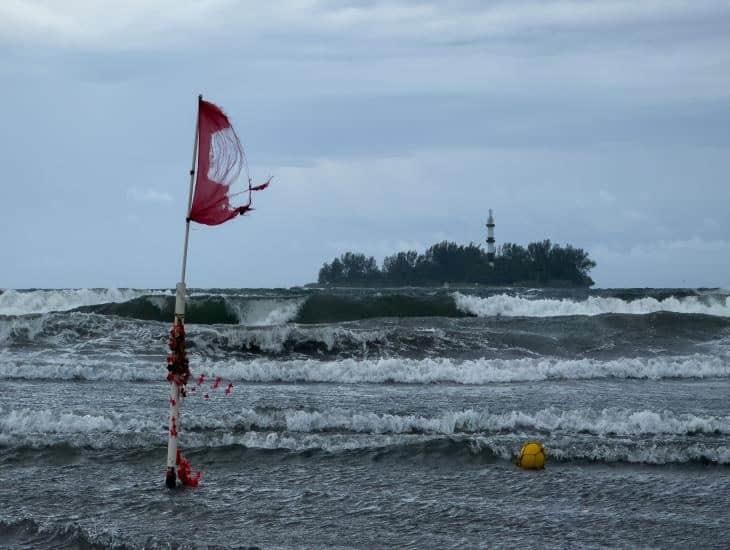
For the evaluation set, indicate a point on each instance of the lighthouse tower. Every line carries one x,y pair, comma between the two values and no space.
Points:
490,238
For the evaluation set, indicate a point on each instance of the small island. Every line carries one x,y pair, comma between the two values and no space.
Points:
539,264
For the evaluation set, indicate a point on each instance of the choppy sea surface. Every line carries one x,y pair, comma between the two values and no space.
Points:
371,418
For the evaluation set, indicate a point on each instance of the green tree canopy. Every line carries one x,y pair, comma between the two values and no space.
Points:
540,263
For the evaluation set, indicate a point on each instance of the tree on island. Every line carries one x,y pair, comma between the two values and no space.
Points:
540,263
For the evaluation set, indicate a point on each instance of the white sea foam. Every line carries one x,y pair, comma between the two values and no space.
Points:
79,328
480,371
380,371
607,421
264,312
13,327
14,302
46,421
572,435
69,366
515,306
622,422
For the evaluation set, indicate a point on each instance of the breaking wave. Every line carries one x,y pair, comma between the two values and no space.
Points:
608,435
288,339
479,371
606,422
324,307
18,302
606,336
28,421
516,306
378,371
100,333
205,309
263,311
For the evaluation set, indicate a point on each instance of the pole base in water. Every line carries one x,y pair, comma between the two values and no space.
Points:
171,478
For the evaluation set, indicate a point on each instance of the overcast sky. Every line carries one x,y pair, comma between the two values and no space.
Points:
386,126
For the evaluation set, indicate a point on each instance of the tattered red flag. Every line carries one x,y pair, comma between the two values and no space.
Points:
220,161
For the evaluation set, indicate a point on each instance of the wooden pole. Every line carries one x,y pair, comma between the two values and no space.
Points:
175,387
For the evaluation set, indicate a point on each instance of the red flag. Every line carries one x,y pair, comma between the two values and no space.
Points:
220,161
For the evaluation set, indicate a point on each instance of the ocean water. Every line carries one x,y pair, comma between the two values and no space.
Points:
385,418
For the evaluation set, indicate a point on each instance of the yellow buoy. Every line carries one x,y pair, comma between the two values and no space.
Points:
532,456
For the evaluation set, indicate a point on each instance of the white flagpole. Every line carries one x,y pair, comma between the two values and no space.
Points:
175,389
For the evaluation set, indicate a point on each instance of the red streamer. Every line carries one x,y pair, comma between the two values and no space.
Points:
177,360
185,473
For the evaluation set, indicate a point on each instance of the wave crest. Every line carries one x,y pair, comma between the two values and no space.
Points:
605,422
479,371
608,435
516,306
384,370
612,421
17,302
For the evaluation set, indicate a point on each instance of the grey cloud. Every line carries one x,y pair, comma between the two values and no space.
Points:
601,124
